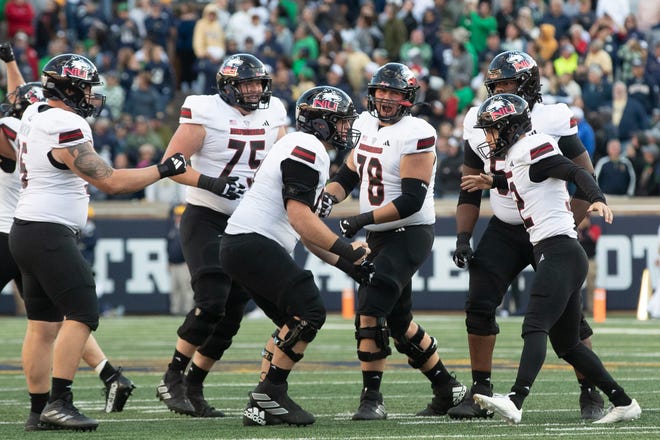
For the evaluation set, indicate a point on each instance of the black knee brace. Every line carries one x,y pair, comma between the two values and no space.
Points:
298,331
197,326
380,334
417,356
481,325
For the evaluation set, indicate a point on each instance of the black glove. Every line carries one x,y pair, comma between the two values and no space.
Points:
227,187
173,165
325,205
362,273
6,53
463,253
349,226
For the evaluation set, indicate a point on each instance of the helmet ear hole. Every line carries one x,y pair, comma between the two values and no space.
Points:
321,127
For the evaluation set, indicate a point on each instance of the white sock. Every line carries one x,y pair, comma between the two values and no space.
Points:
100,366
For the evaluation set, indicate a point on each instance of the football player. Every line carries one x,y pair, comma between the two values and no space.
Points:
504,249
276,212
226,136
117,387
394,166
56,161
536,175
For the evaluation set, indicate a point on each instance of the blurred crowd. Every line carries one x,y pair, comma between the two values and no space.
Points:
600,57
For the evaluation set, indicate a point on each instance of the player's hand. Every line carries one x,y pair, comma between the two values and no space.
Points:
349,226
463,253
325,205
364,272
476,182
173,165
363,249
603,210
228,187
6,52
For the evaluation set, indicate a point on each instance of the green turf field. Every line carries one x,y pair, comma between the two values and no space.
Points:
328,381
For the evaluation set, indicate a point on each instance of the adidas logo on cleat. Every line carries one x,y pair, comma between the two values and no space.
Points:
255,415
458,393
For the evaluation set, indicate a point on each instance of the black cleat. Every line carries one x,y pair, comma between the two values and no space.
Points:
269,404
62,414
195,395
371,406
173,393
34,424
468,408
118,389
445,396
592,406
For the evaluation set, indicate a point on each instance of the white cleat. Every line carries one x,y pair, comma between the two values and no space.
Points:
500,405
621,413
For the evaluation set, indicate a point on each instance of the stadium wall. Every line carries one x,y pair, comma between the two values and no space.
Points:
131,266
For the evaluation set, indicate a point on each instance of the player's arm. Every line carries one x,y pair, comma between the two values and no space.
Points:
415,171
559,167
344,181
572,147
14,76
187,140
85,162
298,195
6,150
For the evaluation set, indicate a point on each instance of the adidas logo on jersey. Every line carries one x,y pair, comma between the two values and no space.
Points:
542,258
256,415
387,143
265,124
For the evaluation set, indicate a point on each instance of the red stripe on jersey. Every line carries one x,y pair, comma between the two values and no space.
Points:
306,155
11,134
508,174
425,143
573,122
186,113
370,149
69,136
541,150
248,131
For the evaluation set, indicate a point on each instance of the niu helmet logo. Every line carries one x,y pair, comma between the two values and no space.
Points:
326,101
76,69
519,62
499,109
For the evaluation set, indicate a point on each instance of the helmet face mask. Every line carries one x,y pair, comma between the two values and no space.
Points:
69,78
21,98
233,78
328,113
518,67
397,77
504,118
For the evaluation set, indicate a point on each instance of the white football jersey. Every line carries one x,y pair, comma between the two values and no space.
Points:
377,157
234,145
544,207
10,183
51,192
555,120
262,208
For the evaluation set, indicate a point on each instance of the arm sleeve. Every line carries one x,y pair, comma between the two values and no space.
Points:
571,146
559,167
299,182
